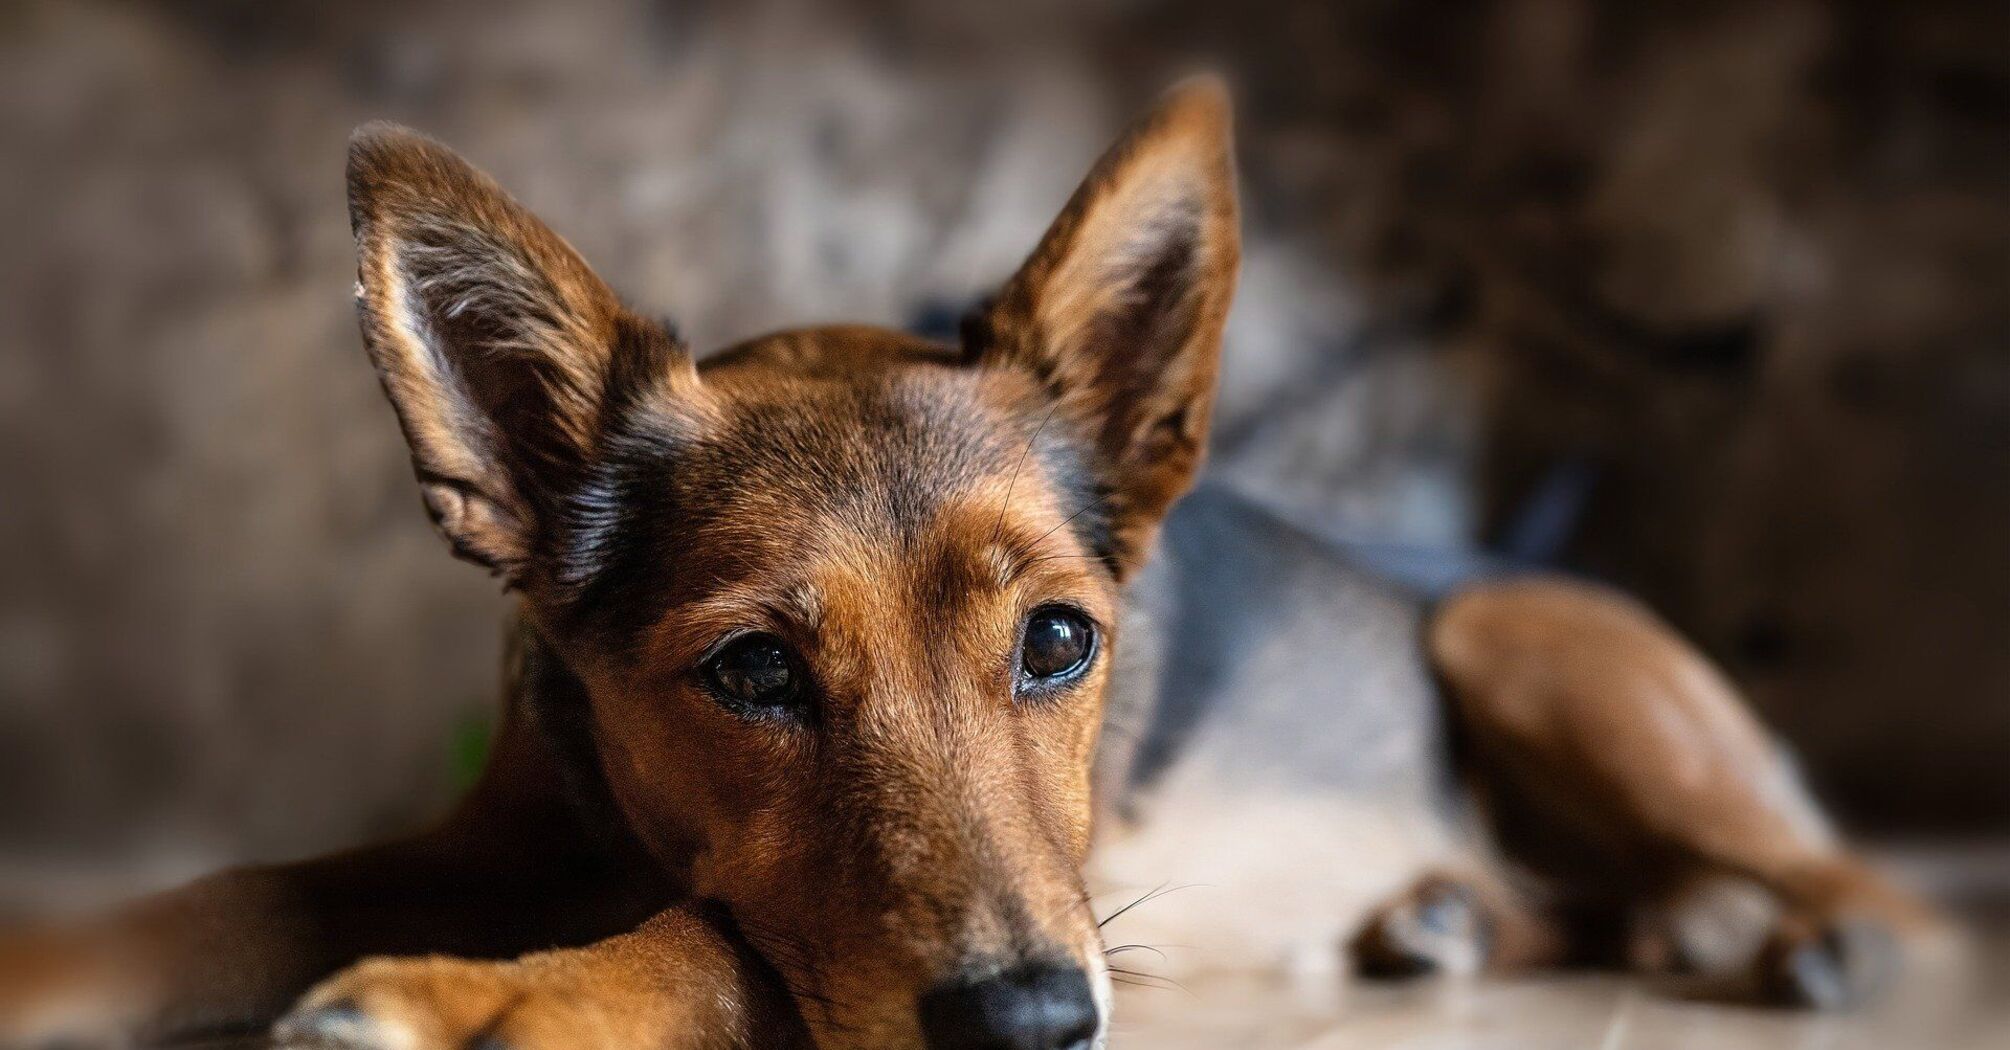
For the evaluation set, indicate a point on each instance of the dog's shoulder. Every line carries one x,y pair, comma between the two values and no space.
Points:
1256,644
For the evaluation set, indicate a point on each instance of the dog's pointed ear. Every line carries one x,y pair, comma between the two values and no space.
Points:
498,346
1119,312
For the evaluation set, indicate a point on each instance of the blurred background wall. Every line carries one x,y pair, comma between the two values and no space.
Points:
1708,299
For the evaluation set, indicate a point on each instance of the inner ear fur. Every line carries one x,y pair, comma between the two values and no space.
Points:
1119,311
498,346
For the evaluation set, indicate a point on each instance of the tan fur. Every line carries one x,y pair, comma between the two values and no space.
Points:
1569,680
1624,770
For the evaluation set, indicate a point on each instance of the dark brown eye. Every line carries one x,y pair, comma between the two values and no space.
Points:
1057,645
754,672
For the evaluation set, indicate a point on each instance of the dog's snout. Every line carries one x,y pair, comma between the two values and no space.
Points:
1030,1008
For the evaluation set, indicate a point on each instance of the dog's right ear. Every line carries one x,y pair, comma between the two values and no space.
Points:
1119,311
499,347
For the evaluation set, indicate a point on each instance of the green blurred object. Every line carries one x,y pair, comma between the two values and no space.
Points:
468,752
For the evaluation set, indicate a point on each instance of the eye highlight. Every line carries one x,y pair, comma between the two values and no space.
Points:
754,673
1057,644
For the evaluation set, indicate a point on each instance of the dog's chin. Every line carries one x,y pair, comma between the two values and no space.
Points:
841,1021
887,1034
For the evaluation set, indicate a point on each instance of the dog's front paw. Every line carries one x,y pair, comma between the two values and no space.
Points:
430,1004
550,1002
395,1003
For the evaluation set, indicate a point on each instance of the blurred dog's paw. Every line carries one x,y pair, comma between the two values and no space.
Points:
1828,965
1438,927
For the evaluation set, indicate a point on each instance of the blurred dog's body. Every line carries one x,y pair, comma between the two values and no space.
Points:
1284,759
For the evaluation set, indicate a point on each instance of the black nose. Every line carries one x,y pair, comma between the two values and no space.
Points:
1030,1008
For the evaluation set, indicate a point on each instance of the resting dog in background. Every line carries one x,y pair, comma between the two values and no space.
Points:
836,653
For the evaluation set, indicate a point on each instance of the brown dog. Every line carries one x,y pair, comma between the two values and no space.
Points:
838,650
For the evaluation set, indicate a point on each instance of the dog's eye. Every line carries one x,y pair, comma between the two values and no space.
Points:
1058,644
754,671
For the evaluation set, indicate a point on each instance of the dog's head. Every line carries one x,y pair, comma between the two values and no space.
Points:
844,601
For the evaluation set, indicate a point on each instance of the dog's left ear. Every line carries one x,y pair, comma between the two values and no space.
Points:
1119,312
499,347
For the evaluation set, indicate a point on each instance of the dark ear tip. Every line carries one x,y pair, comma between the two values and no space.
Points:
375,130
392,167
1200,102
383,155
1205,91
374,146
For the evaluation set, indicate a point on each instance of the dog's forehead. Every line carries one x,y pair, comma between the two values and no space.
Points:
794,455
867,423
879,449
830,351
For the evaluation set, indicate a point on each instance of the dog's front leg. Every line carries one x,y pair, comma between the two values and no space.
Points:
228,953
685,979
523,864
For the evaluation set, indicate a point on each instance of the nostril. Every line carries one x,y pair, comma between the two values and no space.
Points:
1029,1008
